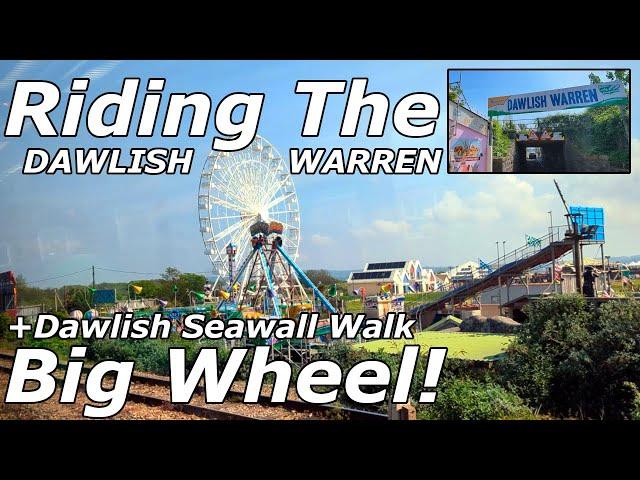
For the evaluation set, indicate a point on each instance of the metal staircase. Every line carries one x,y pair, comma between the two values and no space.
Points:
550,247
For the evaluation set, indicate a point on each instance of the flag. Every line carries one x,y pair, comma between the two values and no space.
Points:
485,266
356,291
137,289
162,303
251,287
175,288
533,241
198,295
386,288
333,290
224,295
557,273
236,286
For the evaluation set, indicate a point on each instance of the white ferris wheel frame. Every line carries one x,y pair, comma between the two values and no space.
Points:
236,187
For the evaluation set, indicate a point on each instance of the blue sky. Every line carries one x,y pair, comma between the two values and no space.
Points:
57,224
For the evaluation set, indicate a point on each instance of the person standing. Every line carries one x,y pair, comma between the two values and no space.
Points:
589,277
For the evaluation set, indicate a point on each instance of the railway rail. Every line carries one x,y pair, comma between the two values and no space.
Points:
205,411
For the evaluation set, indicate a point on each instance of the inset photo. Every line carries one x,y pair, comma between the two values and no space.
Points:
539,121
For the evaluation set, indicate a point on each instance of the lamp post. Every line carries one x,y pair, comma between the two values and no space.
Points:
499,279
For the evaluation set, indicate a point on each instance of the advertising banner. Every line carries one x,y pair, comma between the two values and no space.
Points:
468,140
104,296
596,95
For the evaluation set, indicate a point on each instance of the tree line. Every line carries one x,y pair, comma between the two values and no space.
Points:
173,285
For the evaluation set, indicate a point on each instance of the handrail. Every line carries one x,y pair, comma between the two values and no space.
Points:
501,264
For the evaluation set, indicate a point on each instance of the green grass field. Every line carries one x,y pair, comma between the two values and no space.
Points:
468,346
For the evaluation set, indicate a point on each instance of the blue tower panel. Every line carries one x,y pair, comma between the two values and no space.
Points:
590,217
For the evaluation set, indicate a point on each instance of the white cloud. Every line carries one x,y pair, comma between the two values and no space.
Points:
321,240
501,198
389,226
483,209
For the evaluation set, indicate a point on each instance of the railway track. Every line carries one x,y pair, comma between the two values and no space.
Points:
157,401
205,411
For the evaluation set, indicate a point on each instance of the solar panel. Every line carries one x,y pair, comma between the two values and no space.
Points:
385,265
370,275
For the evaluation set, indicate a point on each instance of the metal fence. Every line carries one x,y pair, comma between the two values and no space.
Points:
29,312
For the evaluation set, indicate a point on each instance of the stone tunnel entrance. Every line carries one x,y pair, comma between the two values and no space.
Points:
539,156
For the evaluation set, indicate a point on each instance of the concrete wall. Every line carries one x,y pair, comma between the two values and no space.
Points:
505,164
490,309
568,285
491,296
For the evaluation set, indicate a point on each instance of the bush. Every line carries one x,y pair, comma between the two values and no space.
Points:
463,399
150,355
575,360
57,345
5,321
454,371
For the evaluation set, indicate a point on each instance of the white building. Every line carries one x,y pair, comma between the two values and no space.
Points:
466,272
405,277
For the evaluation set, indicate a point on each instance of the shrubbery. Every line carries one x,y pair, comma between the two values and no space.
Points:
57,345
572,359
5,320
464,399
150,355
464,391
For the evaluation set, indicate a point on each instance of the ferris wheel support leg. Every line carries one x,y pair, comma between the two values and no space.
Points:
215,284
241,269
269,277
307,281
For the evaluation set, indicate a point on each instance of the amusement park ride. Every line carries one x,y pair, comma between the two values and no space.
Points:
268,282
250,224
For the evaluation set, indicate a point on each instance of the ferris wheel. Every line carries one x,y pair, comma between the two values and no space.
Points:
238,189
